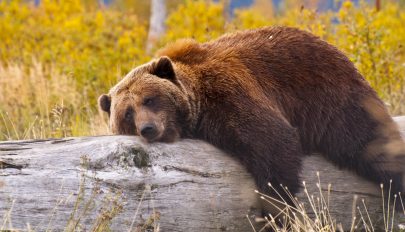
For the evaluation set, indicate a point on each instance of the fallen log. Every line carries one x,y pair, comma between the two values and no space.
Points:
186,186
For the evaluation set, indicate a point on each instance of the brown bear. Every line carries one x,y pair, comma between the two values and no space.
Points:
267,96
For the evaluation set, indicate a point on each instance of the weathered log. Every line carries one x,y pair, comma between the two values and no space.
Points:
191,184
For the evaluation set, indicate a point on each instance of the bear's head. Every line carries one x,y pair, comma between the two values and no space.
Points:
150,102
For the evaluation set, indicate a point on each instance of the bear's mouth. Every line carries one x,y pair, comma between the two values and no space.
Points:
170,135
151,132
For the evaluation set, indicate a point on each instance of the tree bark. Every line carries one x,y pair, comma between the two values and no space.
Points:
186,186
156,23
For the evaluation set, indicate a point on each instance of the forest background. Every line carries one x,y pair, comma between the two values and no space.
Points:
57,57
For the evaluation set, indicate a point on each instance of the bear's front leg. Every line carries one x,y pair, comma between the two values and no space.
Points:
264,142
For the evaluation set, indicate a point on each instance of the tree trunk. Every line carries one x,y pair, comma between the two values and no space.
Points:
185,186
156,23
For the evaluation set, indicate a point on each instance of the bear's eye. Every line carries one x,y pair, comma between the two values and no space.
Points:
148,101
129,114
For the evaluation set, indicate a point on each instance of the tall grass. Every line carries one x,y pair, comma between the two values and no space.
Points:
39,102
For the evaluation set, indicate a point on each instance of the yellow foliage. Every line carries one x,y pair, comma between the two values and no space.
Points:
94,47
88,44
201,20
249,18
374,42
56,58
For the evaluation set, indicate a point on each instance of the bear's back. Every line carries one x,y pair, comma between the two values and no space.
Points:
308,80
276,56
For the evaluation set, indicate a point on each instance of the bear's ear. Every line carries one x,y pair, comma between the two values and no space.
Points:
104,101
163,68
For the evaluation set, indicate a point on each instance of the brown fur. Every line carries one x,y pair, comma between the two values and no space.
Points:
267,96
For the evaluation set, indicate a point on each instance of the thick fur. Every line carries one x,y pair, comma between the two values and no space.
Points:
269,97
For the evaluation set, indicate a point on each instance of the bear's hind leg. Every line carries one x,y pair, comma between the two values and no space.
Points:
367,141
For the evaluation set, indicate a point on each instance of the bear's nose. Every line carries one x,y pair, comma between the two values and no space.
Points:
148,131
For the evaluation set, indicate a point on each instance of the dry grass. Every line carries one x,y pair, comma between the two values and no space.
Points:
40,102
297,218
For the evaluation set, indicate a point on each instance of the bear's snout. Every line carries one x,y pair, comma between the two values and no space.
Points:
149,131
